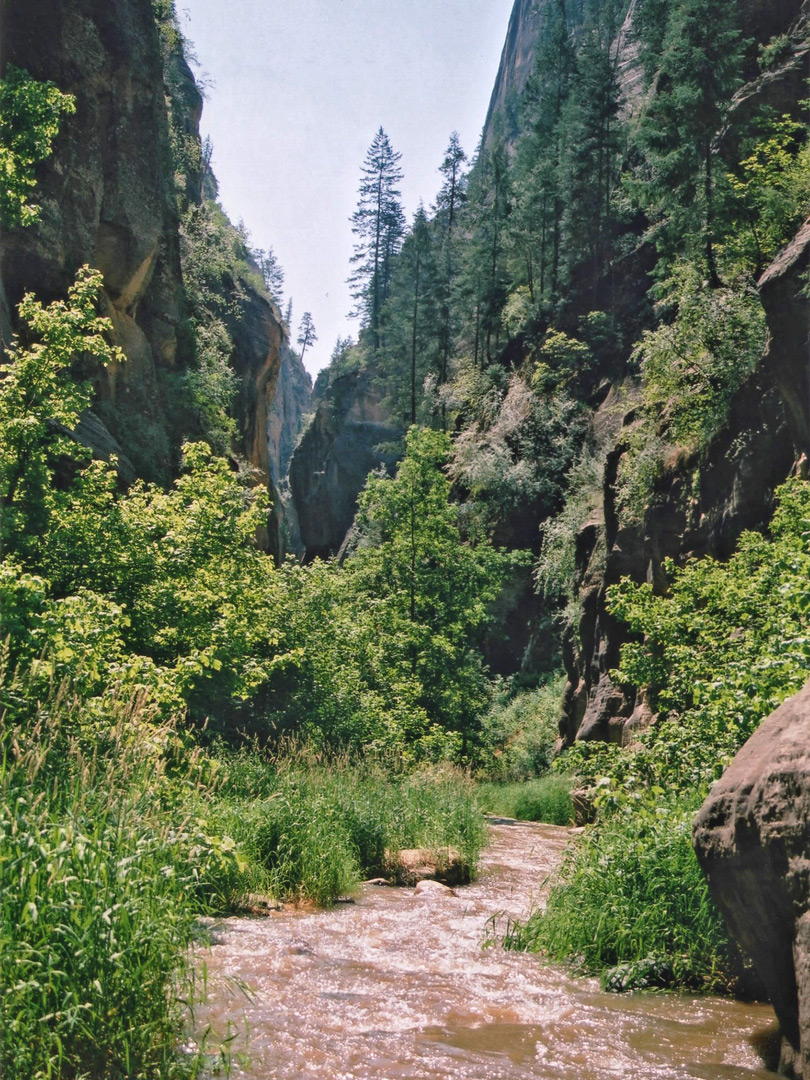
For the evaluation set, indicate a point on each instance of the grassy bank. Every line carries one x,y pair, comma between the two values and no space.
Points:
115,836
630,904
546,798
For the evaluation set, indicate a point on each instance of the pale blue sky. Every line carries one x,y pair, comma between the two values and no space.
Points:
298,90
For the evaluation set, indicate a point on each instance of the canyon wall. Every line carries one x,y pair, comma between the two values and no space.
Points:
108,196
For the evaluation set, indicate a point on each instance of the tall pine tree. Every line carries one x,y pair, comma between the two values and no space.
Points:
700,68
379,224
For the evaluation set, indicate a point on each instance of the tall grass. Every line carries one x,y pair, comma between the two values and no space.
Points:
94,915
632,905
311,829
115,836
548,799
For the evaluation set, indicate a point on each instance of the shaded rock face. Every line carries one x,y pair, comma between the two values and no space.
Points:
787,358
108,199
752,838
516,66
291,402
737,478
343,443
106,193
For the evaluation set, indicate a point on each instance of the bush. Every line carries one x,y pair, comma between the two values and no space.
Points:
546,799
519,733
632,904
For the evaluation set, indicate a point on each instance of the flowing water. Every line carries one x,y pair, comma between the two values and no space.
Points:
397,985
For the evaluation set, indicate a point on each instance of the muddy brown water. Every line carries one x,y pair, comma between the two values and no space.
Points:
398,987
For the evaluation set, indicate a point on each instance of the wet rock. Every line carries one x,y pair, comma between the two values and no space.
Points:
584,809
410,866
752,838
429,887
256,904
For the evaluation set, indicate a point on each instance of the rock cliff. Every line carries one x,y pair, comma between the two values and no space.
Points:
514,70
291,404
350,434
752,838
109,198
703,502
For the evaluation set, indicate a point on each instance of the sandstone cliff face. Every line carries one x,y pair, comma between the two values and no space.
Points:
105,192
108,199
341,446
766,433
516,66
291,403
752,838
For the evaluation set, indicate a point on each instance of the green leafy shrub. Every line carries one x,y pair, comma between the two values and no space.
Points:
691,367
632,904
30,116
724,647
519,733
547,799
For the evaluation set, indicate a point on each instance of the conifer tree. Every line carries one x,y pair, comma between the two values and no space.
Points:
306,333
535,232
454,186
378,223
701,66
452,196
590,160
413,319
484,278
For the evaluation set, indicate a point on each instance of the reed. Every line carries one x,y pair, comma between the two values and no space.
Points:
546,799
95,917
631,905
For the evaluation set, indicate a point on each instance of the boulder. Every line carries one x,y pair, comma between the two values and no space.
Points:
752,838
409,866
430,887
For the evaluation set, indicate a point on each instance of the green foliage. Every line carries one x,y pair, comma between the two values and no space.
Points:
699,68
716,654
310,829
770,192
95,920
40,402
555,569
774,51
519,733
632,904
424,591
560,359
721,650
517,446
546,799
691,367
378,223
30,116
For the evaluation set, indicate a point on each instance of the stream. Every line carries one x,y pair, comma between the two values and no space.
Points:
397,985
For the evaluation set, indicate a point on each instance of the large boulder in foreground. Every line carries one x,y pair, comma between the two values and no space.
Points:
752,838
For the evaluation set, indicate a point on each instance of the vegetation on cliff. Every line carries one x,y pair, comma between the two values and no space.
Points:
152,652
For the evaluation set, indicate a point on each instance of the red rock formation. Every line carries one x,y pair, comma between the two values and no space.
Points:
752,838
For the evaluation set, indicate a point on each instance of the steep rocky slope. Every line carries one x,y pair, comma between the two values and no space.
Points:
108,195
514,70
703,501
291,404
343,443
